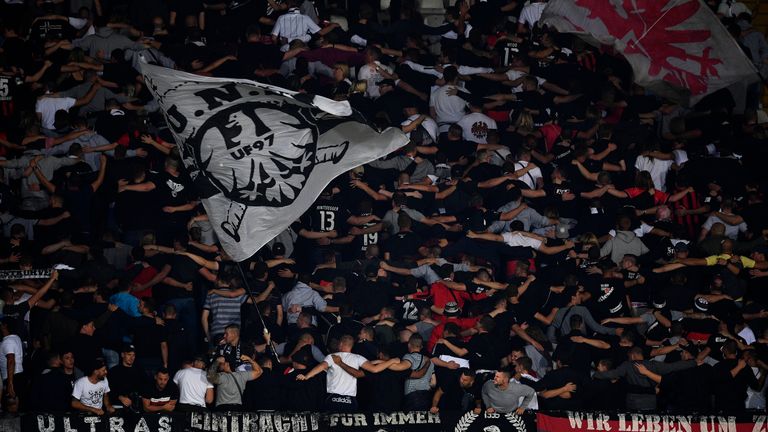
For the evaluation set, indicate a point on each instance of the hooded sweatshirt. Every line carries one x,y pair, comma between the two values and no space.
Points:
624,243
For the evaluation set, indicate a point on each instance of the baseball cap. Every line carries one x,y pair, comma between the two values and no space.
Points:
127,348
387,81
562,232
701,304
682,247
659,302
372,269
451,309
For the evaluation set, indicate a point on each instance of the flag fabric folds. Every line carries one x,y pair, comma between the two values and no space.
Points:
672,45
260,155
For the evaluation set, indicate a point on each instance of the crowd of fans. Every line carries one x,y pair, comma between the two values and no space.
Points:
553,236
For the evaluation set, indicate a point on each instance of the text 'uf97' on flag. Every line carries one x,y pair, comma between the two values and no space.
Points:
260,155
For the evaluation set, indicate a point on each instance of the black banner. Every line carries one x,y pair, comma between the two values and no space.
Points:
113,423
408,421
413,421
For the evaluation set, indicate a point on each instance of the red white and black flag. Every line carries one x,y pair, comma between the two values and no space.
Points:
672,45
260,155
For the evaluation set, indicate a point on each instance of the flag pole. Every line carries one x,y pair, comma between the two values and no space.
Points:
248,290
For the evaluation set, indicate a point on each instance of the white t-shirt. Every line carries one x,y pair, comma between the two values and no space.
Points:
428,124
731,231
531,14
90,394
47,107
748,335
475,127
448,109
515,239
453,35
733,9
658,169
193,384
11,345
338,381
531,177
369,74
294,25
513,75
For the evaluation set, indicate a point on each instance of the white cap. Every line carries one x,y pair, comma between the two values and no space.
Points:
681,157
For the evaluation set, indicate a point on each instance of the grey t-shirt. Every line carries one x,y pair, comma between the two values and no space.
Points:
227,391
417,362
390,218
505,401
424,329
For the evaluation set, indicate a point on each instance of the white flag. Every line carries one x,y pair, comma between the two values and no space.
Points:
672,45
260,155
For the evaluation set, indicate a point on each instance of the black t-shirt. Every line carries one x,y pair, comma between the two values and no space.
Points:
371,296
179,345
8,88
581,355
361,242
184,8
52,391
231,354
301,395
147,336
640,293
688,389
503,325
386,390
258,56
392,104
609,299
158,397
556,194
86,350
52,28
730,391
705,326
456,398
137,210
125,381
485,171
326,214
483,353
558,378
119,73
534,100
259,394
183,270
455,149
172,191
403,245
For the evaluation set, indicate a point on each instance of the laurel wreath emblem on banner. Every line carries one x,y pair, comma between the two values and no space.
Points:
468,419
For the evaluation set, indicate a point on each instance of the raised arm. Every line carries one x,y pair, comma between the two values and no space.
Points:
44,289
322,367
210,265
